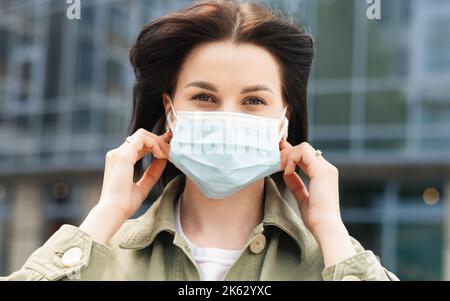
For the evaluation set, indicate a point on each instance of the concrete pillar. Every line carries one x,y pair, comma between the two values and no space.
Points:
25,224
446,246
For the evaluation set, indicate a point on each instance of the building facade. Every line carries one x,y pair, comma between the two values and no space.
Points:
379,109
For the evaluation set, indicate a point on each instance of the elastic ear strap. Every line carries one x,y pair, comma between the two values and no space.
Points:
284,129
284,125
172,112
169,122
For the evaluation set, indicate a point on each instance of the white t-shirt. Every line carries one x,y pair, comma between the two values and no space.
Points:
213,263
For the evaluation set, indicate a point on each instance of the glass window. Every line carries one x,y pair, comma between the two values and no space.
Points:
78,155
46,154
332,144
119,24
61,206
3,52
420,194
386,108
54,56
437,44
116,77
387,49
23,124
88,15
382,145
81,120
360,194
333,109
50,124
436,106
437,112
435,145
332,113
367,234
114,122
83,66
3,74
25,81
419,251
334,41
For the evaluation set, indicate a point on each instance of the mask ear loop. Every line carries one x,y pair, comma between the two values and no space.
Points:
172,112
284,125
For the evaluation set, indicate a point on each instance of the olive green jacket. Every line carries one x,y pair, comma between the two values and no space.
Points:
149,248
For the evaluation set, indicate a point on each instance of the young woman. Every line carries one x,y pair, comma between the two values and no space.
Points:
220,103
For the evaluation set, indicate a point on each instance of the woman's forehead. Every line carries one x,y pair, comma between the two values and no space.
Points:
235,64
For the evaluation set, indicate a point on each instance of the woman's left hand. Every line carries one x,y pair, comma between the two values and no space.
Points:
319,203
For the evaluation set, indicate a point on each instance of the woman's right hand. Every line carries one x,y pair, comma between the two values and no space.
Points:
120,197
118,189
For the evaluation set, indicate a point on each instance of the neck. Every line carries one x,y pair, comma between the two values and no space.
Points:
226,223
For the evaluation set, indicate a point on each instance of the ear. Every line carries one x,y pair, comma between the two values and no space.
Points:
288,112
167,108
166,104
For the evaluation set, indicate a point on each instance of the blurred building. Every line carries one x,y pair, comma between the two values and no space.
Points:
379,109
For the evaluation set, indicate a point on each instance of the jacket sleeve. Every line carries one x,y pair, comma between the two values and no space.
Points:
65,256
362,266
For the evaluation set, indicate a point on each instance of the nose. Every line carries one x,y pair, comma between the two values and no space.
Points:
230,105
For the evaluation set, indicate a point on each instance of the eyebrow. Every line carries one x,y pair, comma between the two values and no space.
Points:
211,87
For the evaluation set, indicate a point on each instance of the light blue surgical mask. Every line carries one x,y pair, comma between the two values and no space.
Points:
223,152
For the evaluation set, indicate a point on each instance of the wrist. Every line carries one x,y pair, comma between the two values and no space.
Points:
102,222
112,211
334,241
328,230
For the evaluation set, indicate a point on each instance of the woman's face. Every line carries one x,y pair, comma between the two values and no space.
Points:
221,76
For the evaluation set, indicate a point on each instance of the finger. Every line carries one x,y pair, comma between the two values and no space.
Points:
151,175
286,149
291,164
167,136
284,152
164,137
309,153
295,184
162,143
153,145
302,155
292,159
284,144
141,144
163,140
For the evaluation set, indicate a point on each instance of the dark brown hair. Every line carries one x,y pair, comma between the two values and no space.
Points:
163,44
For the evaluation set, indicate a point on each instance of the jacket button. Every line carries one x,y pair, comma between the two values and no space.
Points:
350,278
71,257
258,244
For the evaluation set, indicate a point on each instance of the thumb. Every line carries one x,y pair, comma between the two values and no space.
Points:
295,184
151,175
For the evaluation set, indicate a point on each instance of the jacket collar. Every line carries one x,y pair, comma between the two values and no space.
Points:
160,217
